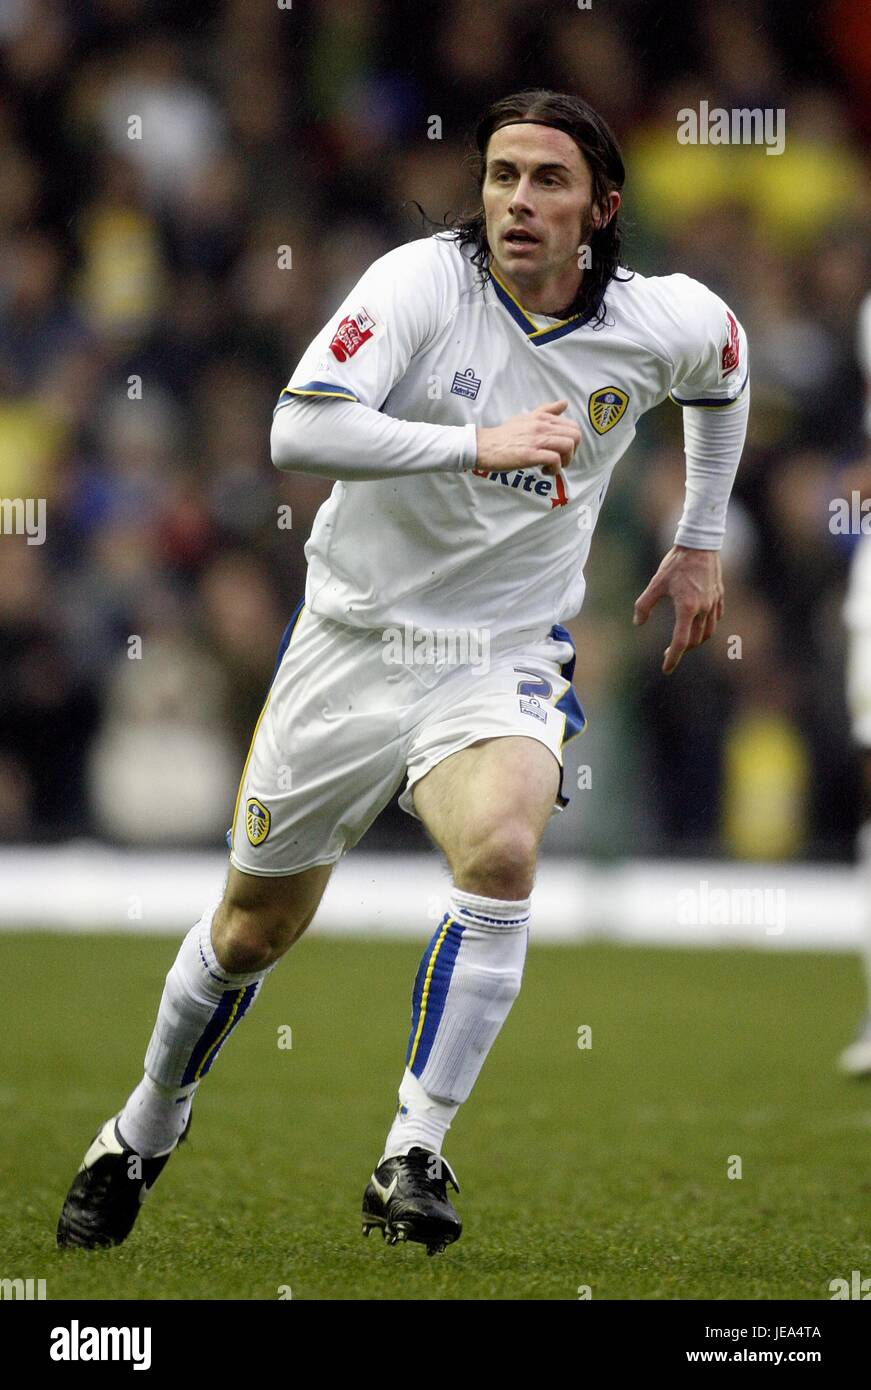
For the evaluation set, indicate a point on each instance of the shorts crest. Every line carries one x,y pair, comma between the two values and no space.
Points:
257,821
607,407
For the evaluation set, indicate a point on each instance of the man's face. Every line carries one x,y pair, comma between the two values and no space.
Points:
537,198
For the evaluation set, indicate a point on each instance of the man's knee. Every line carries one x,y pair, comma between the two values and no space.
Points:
260,918
249,938
500,863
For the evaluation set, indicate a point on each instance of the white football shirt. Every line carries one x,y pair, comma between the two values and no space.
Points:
421,339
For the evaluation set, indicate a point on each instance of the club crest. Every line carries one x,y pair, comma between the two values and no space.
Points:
257,821
607,407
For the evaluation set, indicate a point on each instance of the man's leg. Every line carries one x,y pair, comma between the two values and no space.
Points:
856,1059
486,807
212,984
216,977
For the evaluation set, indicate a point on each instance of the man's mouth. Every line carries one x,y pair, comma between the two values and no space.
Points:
518,236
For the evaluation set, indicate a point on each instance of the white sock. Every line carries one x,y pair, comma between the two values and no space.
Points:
468,979
154,1117
421,1120
200,1006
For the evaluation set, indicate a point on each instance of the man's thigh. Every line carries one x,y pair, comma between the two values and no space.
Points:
485,760
500,787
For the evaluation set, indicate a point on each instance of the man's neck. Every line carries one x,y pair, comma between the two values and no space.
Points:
548,298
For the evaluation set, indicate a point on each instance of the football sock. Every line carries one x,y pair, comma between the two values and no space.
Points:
468,979
200,1006
154,1117
420,1120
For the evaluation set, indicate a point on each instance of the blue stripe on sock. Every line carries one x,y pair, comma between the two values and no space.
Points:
229,1011
431,990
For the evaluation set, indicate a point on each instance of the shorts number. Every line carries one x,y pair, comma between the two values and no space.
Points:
539,686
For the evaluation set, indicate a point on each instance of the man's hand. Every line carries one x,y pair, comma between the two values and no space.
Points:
538,439
694,580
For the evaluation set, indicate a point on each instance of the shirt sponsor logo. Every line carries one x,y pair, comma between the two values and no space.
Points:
354,330
529,482
466,384
731,351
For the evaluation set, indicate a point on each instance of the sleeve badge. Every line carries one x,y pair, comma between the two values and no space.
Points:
354,330
729,359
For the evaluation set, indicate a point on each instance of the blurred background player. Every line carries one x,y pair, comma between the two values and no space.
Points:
856,1059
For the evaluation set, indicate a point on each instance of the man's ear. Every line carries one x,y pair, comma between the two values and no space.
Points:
602,216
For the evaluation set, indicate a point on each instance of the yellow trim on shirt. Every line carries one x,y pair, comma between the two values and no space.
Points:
548,328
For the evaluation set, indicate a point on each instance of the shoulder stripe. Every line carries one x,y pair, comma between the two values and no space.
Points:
316,388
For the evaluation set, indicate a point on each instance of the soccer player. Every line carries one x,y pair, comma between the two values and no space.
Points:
855,1060
471,395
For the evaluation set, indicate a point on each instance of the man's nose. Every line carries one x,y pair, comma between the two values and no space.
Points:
521,199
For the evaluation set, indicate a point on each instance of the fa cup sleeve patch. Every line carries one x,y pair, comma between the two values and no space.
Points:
729,359
354,330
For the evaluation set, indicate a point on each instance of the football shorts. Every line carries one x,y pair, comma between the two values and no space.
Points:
352,713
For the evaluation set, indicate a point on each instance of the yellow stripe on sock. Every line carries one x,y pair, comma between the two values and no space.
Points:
426,984
223,1033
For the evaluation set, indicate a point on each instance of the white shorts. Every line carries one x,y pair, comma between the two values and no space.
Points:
345,721
857,614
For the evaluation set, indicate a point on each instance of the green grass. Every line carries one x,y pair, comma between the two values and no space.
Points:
605,1167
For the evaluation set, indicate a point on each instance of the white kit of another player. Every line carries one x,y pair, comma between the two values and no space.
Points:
856,1059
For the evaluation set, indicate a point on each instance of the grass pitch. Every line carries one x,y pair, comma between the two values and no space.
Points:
606,1167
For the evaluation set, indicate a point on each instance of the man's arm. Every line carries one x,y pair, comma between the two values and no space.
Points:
690,573
328,420
708,351
713,442
346,440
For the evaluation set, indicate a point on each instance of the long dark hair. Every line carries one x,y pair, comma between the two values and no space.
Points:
599,147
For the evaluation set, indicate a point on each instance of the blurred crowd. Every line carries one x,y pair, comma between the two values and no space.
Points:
159,281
